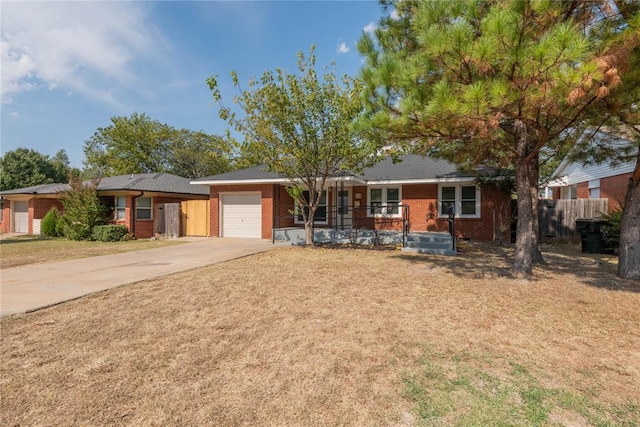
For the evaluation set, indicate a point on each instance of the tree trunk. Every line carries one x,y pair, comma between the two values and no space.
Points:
522,265
629,261
308,232
309,225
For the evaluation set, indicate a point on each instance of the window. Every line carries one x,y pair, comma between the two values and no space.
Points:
573,192
384,201
464,198
594,189
321,211
1,209
119,209
447,199
143,208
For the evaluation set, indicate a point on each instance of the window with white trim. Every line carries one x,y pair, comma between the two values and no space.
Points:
119,208
320,216
594,189
143,208
464,198
384,201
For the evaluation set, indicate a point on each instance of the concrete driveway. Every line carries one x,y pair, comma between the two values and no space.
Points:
36,286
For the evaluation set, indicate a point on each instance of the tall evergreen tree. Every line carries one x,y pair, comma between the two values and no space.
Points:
489,81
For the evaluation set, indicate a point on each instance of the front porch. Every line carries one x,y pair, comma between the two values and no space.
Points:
438,243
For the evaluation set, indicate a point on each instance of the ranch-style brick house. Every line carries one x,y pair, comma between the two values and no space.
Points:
139,201
414,193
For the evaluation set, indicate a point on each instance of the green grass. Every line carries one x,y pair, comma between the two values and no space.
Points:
24,250
476,390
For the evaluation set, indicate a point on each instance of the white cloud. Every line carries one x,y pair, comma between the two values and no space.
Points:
83,47
395,15
370,28
14,114
343,48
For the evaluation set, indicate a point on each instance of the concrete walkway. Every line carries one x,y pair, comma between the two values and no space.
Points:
31,287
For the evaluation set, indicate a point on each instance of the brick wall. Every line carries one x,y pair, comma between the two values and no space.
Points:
5,221
267,191
582,191
42,206
144,228
614,188
423,207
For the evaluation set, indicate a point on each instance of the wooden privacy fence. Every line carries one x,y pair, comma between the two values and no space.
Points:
195,218
187,218
558,217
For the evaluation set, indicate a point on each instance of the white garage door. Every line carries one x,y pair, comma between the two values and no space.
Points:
241,215
21,217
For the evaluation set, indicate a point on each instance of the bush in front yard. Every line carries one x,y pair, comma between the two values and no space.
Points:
49,225
82,210
611,231
110,233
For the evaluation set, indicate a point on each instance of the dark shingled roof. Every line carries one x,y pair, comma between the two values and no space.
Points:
412,167
156,182
409,167
38,189
256,172
153,182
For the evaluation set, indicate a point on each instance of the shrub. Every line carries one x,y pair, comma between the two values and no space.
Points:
110,233
82,210
611,230
60,226
49,224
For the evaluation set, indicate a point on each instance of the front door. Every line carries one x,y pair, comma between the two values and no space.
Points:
344,212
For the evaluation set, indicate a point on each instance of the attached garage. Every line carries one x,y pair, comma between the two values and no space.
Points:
21,217
241,214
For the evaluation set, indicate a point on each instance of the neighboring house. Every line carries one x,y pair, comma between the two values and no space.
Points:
415,193
136,201
574,180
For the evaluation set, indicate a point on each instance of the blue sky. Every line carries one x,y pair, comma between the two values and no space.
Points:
68,67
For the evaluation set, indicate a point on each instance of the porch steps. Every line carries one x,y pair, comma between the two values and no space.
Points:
434,243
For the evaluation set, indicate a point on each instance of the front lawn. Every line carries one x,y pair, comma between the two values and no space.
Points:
322,336
23,250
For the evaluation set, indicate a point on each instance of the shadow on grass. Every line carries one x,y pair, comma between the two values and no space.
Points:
23,239
482,261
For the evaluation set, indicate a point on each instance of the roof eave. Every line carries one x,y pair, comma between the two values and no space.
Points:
420,180
242,181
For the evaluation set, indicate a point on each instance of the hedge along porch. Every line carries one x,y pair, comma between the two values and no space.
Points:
415,192
136,201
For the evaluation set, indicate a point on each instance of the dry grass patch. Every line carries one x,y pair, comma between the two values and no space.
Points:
23,250
325,336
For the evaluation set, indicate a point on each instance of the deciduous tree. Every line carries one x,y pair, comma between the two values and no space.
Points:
140,144
24,167
300,126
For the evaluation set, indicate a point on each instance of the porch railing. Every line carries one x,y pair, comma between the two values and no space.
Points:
452,226
375,218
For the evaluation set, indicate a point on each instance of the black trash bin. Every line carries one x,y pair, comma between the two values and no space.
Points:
591,234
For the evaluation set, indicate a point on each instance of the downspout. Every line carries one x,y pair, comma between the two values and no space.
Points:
274,211
133,213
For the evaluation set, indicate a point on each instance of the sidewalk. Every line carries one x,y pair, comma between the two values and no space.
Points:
31,287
